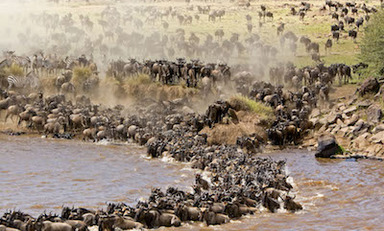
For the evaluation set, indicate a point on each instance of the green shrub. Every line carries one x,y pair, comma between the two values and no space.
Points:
372,44
246,104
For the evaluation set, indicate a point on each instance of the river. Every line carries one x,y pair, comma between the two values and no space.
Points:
43,174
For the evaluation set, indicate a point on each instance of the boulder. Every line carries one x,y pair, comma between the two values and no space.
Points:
352,121
349,111
378,128
364,104
378,138
374,113
352,100
327,146
343,131
332,118
339,122
316,123
315,113
370,85
362,142
187,110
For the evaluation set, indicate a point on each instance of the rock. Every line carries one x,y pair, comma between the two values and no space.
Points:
359,125
323,121
374,114
322,129
327,146
378,138
344,117
364,104
370,85
315,113
352,121
378,128
361,142
349,111
187,110
316,123
352,100
331,119
343,131
373,150
339,122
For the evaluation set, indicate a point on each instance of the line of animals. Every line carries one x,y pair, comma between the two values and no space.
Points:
169,72
239,182
170,128
114,33
213,203
172,72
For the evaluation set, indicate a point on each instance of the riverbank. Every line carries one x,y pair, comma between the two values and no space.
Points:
355,121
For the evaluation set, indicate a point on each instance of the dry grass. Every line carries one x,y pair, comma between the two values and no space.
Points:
241,103
80,74
228,133
142,86
14,69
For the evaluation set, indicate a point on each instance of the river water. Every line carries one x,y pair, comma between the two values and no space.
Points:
43,174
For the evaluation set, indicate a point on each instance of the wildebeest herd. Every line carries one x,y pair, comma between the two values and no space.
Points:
238,182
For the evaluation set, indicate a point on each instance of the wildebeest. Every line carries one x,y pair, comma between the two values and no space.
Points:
352,34
328,45
336,35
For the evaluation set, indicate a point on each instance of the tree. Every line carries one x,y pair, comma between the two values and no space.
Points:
372,44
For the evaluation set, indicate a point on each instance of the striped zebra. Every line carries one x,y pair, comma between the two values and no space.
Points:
23,82
70,62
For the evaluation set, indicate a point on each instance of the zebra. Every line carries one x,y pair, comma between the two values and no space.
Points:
70,62
22,82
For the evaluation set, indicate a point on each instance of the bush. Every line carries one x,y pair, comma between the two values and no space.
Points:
14,69
139,80
372,43
80,74
142,86
246,104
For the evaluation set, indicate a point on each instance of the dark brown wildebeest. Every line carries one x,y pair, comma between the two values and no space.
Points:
359,22
353,35
302,15
336,35
328,45
335,16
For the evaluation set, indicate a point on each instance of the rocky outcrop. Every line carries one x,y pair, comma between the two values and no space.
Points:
356,123
327,147
370,85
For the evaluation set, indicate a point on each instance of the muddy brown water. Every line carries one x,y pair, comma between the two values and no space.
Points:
43,174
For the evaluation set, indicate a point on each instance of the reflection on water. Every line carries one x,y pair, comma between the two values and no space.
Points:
39,174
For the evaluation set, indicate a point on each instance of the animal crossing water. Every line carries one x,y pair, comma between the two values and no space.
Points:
42,175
